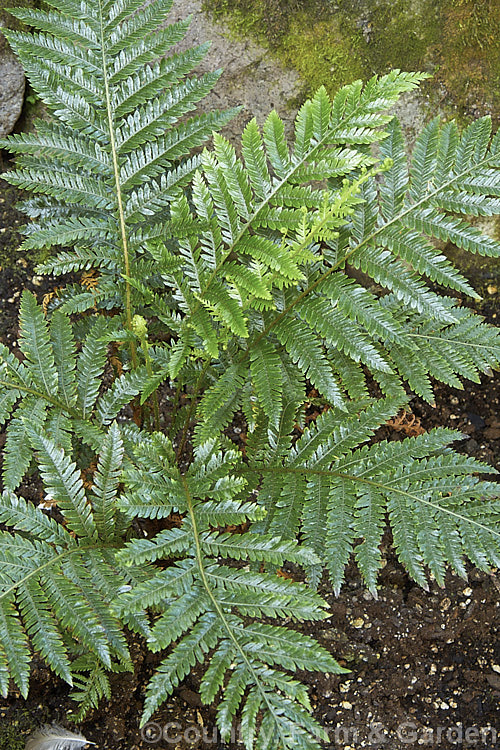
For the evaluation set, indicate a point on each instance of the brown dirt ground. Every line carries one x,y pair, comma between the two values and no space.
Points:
425,667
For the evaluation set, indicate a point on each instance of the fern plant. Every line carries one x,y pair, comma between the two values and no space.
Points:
253,284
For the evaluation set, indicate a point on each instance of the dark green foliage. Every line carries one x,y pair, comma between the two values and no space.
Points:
63,584
302,270
205,606
57,388
120,144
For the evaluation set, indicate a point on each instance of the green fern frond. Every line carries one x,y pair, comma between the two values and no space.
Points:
42,629
90,366
307,354
17,452
64,357
465,348
106,479
74,230
292,276
63,144
333,322
202,602
13,373
16,512
51,351
159,589
450,229
221,401
119,131
90,684
164,544
265,369
58,428
55,589
16,659
178,618
71,609
110,626
249,202
418,481
137,89
120,394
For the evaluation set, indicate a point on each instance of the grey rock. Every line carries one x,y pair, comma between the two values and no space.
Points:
251,78
255,81
12,83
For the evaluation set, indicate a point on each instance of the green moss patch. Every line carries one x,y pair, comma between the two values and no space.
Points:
326,52
469,56
399,34
15,728
335,43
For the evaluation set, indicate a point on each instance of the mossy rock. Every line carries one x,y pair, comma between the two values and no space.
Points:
326,53
334,42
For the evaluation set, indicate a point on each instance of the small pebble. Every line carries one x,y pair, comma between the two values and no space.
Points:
358,623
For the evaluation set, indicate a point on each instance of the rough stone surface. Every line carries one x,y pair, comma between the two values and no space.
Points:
251,78
255,80
12,84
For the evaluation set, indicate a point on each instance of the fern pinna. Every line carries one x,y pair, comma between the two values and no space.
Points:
251,283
